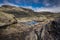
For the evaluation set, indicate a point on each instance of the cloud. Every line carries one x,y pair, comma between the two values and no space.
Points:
52,9
5,1
23,1
51,2
18,1
9,4
36,1
47,4
29,7
49,9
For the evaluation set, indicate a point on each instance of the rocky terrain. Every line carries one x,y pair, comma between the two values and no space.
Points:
18,23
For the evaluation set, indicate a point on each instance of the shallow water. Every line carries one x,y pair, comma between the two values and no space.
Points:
31,23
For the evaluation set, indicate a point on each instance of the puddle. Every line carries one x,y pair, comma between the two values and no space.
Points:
30,23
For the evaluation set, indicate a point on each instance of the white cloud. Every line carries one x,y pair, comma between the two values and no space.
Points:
50,9
29,7
36,1
18,1
9,4
6,2
47,4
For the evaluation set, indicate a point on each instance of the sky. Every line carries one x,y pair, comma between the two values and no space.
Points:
36,5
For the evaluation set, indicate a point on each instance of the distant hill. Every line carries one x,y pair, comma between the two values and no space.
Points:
17,11
22,12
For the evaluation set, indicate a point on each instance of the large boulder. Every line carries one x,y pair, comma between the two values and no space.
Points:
6,18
